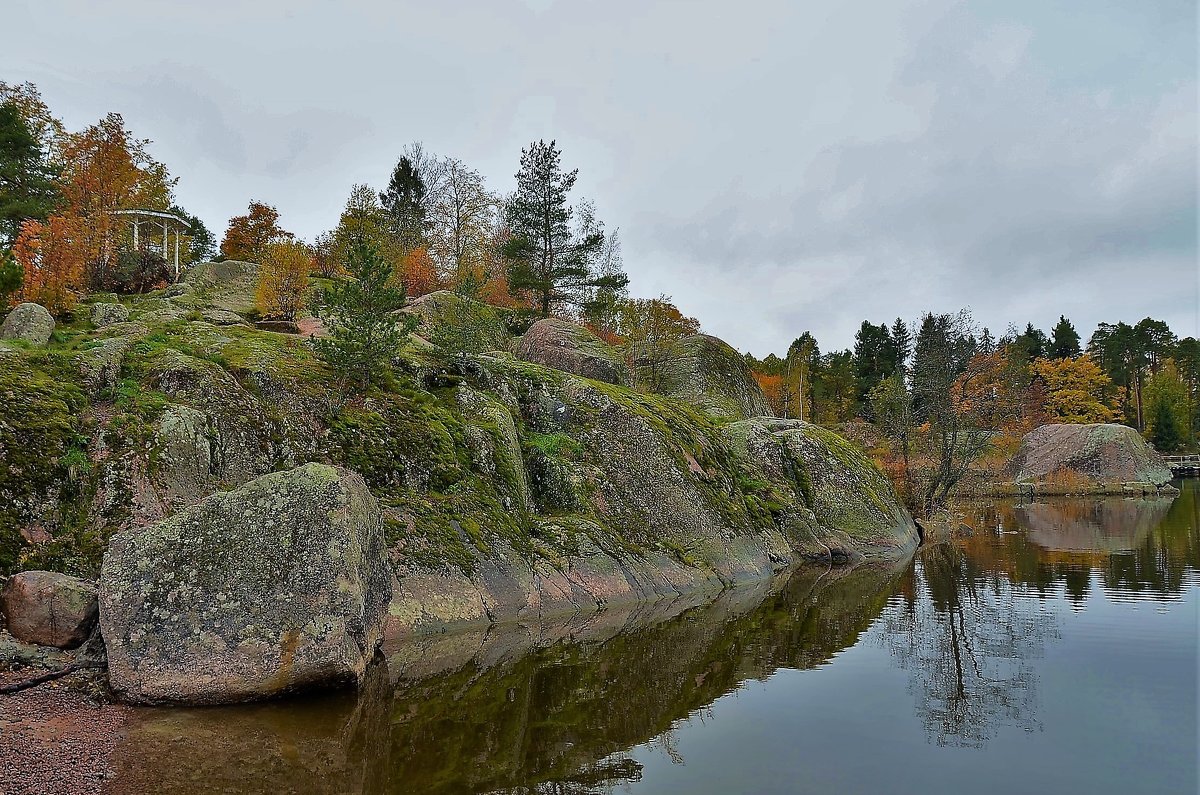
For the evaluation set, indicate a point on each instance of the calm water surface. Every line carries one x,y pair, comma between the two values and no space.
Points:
1055,650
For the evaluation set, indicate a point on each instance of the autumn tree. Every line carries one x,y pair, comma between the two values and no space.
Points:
548,255
652,327
53,264
28,182
283,279
460,226
419,273
107,168
772,389
364,334
247,237
1074,390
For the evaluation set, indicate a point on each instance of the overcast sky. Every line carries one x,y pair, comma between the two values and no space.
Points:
775,166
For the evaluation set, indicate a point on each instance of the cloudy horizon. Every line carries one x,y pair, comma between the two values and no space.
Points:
776,167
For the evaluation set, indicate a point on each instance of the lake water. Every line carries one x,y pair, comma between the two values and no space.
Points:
1054,650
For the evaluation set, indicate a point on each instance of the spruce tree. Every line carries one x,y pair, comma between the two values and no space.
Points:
404,202
902,343
357,311
1164,433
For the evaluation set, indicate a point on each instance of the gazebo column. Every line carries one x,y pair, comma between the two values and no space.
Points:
135,233
165,250
176,255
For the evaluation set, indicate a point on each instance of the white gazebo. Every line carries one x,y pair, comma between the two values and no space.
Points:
169,223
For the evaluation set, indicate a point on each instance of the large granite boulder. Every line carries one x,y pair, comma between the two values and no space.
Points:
28,322
278,586
706,372
459,325
1077,458
48,608
573,349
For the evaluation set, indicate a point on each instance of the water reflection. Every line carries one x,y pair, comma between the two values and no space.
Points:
580,706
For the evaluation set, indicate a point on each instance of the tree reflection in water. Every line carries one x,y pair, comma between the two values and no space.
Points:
967,641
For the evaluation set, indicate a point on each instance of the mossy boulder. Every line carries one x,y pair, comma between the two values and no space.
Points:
459,325
1086,458
572,348
29,323
706,372
275,587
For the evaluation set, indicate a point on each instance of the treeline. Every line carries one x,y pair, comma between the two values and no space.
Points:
1142,374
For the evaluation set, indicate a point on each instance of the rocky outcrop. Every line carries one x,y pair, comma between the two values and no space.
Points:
106,314
28,322
230,285
458,325
278,586
707,373
48,608
1100,458
572,349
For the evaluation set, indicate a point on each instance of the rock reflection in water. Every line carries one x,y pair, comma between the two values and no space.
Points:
329,743
559,717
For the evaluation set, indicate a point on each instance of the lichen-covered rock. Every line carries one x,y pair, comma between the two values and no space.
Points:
459,325
278,586
28,322
105,314
100,363
1074,458
707,373
565,346
48,608
185,467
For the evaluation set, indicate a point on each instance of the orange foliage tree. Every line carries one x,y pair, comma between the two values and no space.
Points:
53,263
283,279
249,235
106,168
419,273
772,389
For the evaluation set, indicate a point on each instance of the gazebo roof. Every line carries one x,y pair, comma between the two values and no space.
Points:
139,214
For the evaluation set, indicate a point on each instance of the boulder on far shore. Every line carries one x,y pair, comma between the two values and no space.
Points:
49,609
1077,458
279,586
28,322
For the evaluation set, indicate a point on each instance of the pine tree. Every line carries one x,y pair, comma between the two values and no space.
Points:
27,180
545,255
358,313
1064,340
